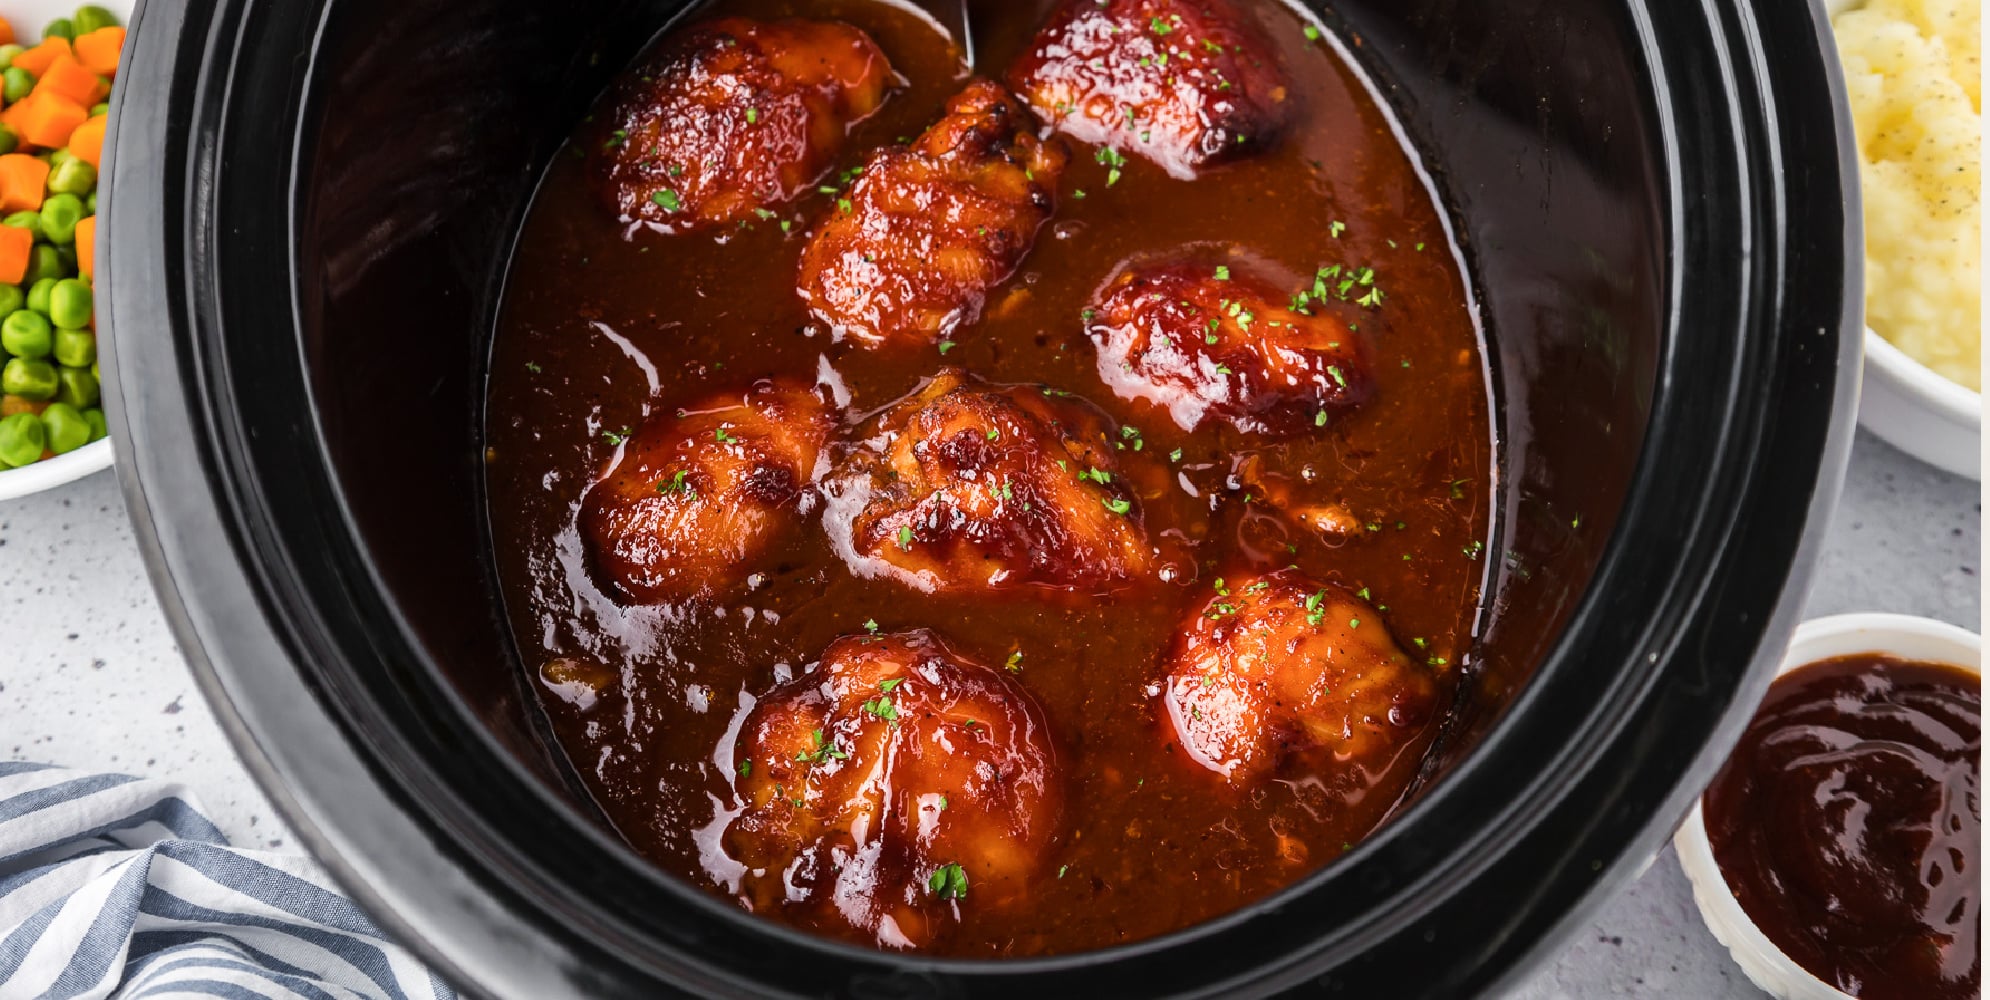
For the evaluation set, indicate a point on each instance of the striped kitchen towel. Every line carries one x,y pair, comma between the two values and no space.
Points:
113,886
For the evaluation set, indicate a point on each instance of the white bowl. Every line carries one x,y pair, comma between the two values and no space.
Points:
27,17
1903,636
1920,412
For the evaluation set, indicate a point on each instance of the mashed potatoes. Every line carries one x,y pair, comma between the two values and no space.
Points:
1912,71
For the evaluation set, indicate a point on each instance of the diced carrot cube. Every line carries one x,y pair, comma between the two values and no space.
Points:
15,246
6,32
46,120
23,182
86,247
68,78
98,50
37,60
87,142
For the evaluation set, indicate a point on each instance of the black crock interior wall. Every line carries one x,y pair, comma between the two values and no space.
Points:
1534,118
436,125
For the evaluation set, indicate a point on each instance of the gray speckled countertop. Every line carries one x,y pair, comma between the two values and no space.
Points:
90,678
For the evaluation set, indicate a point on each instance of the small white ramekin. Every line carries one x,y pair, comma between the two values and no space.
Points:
1920,412
1904,636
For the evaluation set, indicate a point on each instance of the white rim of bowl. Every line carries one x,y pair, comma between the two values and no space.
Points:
52,472
1905,636
1952,400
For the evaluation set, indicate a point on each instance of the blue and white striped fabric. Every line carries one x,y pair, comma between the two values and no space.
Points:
113,886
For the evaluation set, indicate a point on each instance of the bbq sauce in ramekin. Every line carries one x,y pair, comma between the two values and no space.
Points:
1847,825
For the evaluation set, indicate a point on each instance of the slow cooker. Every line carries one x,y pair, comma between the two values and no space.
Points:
311,207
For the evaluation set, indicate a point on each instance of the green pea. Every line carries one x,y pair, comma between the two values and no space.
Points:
22,440
35,380
90,17
16,83
26,334
38,294
69,306
67,257
30,221
8,140
43,262
75,348
71,176
77,387
100,108
89,203
59,215
61,27
99,430
67,428
58,156
11,298
8,52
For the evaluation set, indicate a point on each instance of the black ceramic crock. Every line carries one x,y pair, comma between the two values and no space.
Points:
310,208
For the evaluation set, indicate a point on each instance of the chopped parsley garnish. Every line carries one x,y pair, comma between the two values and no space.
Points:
1113,160
1335,228
616,437
752,116
881,707
1175,456
1159,26
1222,273
1015,664
667,199
824,750
676,485
946,345
746,768
533,367
1316,607
871,626
722,437
949,881
1320,419
994,433
1118,506
1312,33
905,537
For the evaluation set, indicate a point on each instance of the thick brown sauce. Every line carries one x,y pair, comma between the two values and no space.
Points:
601,327
1848,824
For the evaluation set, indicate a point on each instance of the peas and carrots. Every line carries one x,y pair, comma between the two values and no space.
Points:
52,126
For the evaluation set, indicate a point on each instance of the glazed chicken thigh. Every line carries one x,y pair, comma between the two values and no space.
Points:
966,485
730,117
1209,340
696,495
928,229
1281,665
1184,83
892,785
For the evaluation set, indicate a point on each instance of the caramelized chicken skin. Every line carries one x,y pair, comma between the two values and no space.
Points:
688,503
966,485
1184,83
724,119
928,229
1281,665
1203,339
891,785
